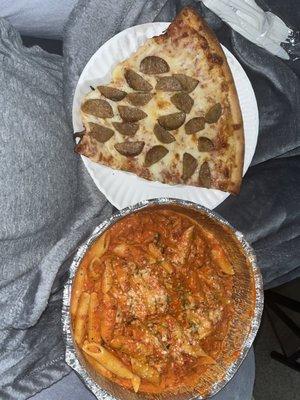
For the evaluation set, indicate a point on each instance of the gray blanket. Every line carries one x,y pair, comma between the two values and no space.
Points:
49,204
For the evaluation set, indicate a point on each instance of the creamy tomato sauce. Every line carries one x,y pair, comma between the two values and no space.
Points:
163,299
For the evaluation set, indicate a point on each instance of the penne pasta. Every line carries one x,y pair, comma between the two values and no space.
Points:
184,246
206,360
220,258
77,288
185,243
111,363
193,281
95,269
98,287
81,317
167,266
145,371
122,277
97,366
107,278
148,300
196,352
108,317
94,334
219,255
101,245
155,251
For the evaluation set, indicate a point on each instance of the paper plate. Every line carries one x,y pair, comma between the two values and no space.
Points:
124,189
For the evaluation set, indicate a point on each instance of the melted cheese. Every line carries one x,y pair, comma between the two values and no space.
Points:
182,58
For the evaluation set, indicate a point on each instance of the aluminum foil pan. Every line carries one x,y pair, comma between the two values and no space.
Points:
244,326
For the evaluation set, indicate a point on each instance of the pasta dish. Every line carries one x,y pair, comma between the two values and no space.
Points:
152,302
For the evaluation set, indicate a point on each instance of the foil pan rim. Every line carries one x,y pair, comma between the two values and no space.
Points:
70,353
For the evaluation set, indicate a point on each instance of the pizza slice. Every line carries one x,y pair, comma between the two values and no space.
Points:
171,112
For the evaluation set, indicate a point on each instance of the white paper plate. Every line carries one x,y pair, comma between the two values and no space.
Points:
124,189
